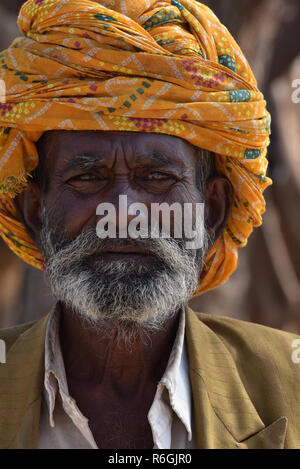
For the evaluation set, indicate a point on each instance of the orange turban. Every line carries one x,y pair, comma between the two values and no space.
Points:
134,65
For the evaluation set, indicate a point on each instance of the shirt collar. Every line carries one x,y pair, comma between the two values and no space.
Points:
176,382
55,376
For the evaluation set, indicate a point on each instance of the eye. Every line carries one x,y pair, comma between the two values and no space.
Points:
158,176
83,177
157,181
87,182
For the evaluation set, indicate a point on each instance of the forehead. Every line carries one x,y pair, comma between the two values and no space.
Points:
60,146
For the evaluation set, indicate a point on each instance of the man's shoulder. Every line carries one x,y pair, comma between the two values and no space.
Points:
248,341
11,334
223,324
21,383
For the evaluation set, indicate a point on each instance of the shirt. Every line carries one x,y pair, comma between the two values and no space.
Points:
63,426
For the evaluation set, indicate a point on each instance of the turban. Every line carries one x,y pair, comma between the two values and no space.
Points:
166,67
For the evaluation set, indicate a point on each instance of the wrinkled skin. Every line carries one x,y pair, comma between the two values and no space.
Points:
114,388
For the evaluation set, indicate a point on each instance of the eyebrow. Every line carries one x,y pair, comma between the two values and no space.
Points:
85,162
156,157
91,162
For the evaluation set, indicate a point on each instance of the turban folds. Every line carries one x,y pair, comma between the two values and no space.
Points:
134,65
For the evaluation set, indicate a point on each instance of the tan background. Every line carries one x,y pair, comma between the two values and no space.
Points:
266,286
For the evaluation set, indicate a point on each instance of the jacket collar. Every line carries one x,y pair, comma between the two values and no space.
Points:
225,416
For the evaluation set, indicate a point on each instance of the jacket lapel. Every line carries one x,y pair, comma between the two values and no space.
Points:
21,384
225,417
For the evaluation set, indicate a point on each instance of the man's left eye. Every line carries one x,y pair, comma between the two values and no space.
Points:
158,176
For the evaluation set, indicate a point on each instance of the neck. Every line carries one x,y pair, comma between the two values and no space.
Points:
96,359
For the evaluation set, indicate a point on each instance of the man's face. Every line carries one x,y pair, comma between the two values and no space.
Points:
148,168
129,281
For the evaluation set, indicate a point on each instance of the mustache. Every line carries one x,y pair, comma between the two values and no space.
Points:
88,244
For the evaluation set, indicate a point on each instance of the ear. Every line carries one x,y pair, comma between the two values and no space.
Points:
29,209
218,194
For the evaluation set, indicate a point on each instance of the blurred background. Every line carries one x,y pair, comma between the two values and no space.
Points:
265,288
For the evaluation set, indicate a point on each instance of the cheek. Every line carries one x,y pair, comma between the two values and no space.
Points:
183,193
71,213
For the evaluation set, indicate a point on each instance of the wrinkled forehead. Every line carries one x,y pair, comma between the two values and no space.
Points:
58,146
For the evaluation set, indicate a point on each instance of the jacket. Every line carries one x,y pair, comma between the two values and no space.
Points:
245,384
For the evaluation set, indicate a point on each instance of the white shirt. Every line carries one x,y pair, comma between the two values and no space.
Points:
63,426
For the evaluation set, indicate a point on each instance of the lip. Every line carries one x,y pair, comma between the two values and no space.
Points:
126,250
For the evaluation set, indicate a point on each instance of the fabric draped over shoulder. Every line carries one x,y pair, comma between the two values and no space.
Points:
143,66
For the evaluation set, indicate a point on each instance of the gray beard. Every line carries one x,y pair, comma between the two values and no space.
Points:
120,297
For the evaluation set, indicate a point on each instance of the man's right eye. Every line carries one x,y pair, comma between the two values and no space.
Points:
87,182
84,177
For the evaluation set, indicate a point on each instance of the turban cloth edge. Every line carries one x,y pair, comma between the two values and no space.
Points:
143,66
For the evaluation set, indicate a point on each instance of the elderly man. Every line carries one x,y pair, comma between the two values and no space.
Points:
153,101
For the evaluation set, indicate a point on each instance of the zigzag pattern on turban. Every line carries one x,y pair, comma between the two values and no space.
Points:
134,65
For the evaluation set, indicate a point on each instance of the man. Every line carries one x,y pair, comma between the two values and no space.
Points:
156,103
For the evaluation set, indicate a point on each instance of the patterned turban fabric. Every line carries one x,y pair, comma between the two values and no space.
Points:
167,66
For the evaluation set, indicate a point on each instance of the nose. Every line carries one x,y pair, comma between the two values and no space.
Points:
120,206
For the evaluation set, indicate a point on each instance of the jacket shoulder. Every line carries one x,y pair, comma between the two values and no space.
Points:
10,334
258,349
223,325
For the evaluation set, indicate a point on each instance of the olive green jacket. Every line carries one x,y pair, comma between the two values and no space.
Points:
245,384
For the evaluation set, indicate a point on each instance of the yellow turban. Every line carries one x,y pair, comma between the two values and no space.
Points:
134,65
